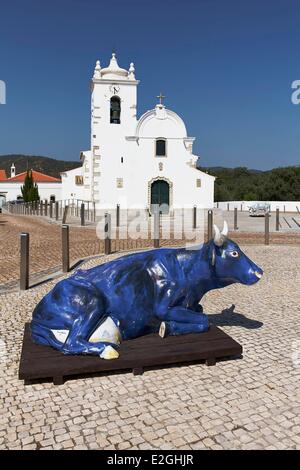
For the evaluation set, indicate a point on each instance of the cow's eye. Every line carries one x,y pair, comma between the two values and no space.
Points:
234,254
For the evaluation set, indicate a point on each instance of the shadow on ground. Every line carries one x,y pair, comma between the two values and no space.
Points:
228,317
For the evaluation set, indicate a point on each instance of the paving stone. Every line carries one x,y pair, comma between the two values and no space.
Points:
242,404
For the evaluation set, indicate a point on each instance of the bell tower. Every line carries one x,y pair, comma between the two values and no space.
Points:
113,117
114,100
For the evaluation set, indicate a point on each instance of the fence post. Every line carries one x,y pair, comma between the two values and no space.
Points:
56,210
65,248
51,209
235,219
195,217
277,219
94,208
107,234
209,225
24,261
156,225
65,215
267,228
82,221
118,216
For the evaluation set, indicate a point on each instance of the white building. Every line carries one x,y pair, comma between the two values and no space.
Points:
10,188
135,162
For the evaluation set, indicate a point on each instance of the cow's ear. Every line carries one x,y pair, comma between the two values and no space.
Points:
213,257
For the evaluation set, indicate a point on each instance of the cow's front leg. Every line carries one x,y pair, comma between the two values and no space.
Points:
173,328
181,315
180,320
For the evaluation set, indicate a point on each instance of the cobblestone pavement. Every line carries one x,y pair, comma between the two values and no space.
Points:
45,244
249,403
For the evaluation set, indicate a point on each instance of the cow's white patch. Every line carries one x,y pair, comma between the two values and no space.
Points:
60,335
107,332
109,353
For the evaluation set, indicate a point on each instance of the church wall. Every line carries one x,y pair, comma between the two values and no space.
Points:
71,184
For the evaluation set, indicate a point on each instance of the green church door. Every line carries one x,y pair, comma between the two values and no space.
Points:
160,195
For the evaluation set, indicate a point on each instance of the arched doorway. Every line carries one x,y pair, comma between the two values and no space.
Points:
160,194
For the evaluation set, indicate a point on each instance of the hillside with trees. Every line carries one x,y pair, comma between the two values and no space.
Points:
242,184
49,166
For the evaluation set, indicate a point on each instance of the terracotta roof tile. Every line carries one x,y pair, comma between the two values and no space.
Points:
37,177
3,176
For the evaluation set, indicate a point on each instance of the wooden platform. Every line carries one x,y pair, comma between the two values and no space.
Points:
44,362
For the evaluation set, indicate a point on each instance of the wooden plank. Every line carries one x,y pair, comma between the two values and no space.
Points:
40,362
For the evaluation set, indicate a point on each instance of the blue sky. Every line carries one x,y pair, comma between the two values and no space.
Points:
225,66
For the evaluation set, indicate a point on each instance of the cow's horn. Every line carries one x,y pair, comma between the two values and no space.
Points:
217,236
225,229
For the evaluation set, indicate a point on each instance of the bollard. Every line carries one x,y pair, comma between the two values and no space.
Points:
156,226
195,217
267,228
227,206
41,207
107,234
82,221
277,219
24,261
209,225
65,214
65,248
56,210
118,216
241,207
51,210
46,208
235,219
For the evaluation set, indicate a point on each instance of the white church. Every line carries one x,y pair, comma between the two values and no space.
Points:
135,162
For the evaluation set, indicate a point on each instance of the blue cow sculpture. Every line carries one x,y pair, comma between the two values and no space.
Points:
92,311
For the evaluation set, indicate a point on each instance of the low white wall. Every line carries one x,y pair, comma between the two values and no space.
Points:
284,206
12,190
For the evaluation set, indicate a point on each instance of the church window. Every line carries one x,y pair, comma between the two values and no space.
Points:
115,110
198,183
160,147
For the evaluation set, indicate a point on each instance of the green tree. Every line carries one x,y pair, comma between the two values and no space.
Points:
29,189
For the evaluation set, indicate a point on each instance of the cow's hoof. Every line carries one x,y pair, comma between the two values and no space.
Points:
109,353
162,329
